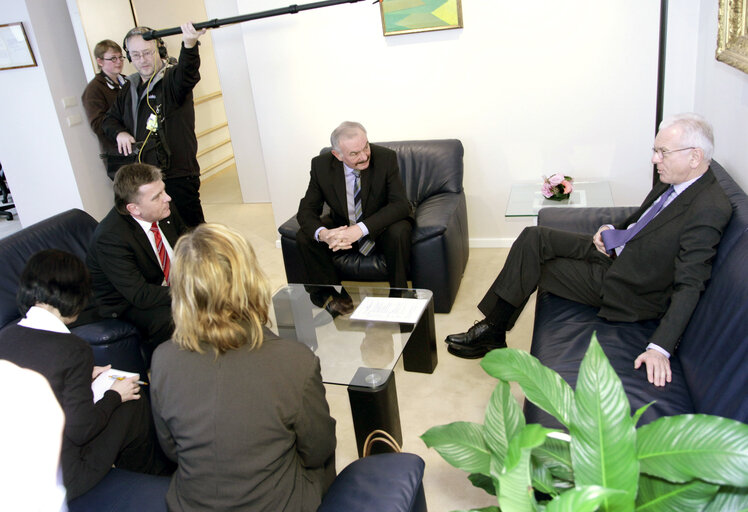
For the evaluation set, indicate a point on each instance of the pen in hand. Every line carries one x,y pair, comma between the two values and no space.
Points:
120,377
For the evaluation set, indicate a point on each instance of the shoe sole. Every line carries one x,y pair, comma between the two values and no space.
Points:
467,354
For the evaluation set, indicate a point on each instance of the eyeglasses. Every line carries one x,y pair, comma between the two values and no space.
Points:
662,152
115,59
144,54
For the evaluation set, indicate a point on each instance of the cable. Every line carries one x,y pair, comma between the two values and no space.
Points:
148,102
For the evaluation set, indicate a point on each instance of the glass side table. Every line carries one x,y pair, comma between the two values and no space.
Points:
526,200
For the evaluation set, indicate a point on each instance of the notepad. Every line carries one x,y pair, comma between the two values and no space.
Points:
105,380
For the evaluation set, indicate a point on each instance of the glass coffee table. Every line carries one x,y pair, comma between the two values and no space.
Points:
361,354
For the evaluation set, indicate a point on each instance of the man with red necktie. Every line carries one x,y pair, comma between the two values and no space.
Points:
130,254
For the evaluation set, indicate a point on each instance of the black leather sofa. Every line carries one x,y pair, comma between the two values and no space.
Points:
383,482
113,341
375,483
709,364
431,171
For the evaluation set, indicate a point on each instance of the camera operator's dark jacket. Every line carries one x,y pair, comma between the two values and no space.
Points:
173,147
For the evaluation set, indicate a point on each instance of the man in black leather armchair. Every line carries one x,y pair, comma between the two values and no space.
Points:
360,182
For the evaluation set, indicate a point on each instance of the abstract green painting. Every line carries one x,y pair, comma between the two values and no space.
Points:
408,16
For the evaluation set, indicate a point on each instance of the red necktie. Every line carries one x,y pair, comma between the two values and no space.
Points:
163,256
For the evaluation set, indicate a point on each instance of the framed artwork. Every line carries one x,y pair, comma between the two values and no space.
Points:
732,41
409,16
15,51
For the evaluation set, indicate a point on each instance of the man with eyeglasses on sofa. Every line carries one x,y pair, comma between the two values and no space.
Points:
153,118
654,265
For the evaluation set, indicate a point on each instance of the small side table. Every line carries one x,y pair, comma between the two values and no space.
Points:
526,200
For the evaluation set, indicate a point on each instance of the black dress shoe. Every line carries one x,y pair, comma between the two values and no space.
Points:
477,341
339,306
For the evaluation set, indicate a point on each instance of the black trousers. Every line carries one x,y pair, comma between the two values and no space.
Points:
185,194
394,242
155,325
564,263
128,441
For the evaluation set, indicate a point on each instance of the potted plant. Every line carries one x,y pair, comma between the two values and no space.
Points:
678,463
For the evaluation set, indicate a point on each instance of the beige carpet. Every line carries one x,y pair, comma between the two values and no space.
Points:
458,390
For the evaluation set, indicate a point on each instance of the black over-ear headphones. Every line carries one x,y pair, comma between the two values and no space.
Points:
139,31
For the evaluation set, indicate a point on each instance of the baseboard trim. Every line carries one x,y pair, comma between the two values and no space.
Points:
490,243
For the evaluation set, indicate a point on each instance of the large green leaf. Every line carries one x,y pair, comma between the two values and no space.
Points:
555,454
587,498
483,482
531,436
515,486
658,495
640,411
681,448
542,479
542,386
503,419
461,444
603,437
729,498
515,482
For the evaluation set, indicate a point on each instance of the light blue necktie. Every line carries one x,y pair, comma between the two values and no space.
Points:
613,238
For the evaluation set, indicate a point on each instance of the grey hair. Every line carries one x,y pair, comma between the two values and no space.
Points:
137,31
345,130
697,131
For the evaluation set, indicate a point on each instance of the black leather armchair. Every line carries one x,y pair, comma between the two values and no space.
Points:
113,341
431,171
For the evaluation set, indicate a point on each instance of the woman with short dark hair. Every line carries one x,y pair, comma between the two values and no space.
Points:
241,410
117,430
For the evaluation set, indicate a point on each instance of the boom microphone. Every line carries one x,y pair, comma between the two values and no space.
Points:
215,23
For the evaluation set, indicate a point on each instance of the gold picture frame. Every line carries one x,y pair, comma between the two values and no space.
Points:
732,40
410,16
15,50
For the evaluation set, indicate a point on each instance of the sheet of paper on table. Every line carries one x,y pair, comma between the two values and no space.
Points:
387,309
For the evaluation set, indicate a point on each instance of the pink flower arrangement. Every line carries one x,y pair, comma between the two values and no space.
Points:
557,186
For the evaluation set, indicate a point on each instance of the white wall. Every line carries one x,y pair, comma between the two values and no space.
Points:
682,51
50,166
722,96
239,102
696,81
529,87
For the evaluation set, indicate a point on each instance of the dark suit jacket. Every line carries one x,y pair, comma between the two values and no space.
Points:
250,429
665,267
383,198
124,268
66,362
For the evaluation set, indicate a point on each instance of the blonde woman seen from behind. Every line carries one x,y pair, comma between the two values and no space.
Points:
242,411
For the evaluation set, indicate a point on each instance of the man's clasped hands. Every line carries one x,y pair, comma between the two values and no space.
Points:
341,238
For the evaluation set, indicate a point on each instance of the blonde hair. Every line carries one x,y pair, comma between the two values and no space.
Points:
220,296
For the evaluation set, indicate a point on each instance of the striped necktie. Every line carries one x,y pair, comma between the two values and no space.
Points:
365,245
163,256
